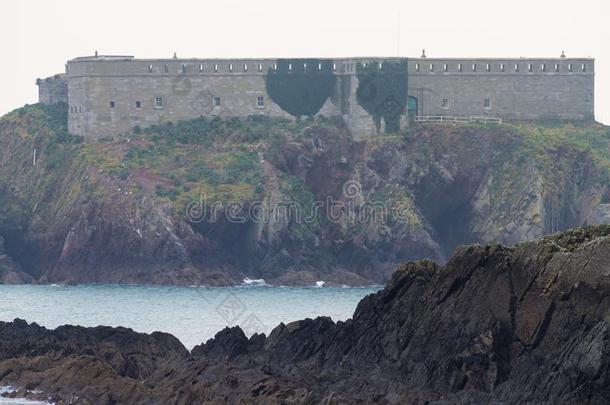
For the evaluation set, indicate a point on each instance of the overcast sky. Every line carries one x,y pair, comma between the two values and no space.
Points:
37,37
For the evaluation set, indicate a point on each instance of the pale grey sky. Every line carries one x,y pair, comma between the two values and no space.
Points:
37,37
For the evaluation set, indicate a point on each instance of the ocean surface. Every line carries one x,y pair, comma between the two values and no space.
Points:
192,314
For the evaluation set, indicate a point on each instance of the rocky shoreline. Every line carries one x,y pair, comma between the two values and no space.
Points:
496,324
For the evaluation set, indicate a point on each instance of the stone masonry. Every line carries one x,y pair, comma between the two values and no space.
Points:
110,95
53,89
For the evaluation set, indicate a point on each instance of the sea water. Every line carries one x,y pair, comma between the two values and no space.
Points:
192,314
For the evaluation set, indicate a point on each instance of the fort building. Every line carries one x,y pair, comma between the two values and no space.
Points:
110,95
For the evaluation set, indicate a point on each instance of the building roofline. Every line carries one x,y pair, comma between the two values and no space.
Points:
521,58
105,58
124,58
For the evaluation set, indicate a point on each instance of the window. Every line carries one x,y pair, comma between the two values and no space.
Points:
138,105
275,66
583,67
149,68
516,67
543,67
474,67
529,67
290,66
445,67
417,67
334,67
570,68
158,102
216,101
201,67
488,67
230,67
556,67
112,104
183,68
432,67
319,66
459,67
216,68
487,103
260,67
502,67
166,68
304,66
245,67
260,102
445,103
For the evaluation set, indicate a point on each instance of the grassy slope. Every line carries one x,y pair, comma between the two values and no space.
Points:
224,159
586,137
176,162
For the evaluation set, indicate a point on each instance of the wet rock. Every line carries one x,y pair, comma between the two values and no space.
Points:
496,324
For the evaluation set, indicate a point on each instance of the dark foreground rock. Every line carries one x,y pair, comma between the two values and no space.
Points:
527,324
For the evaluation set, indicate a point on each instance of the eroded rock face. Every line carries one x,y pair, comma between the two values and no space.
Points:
10,273
116,211
496,324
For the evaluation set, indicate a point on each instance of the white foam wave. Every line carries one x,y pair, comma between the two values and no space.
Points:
254,281
17,401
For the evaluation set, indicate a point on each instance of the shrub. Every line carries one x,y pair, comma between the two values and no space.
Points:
383,92
300,86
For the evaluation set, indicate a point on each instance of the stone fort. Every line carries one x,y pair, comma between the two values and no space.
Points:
111,95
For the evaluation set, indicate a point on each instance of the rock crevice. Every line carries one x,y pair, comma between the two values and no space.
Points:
519,325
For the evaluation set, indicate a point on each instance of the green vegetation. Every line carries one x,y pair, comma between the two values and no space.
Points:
382,92
592,138
224,159
221,160
301,86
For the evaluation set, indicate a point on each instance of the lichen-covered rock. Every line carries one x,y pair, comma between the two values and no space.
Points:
294,202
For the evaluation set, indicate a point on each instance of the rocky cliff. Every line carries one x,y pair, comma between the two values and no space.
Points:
496,324
212,201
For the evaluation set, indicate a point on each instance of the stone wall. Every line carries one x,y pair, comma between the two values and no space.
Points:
522,89
110,95
53,89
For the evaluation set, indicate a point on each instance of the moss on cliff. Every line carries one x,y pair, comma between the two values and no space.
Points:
440,185
593,138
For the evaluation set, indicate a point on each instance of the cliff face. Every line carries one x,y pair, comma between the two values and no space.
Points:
496,324
211,201
10,273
